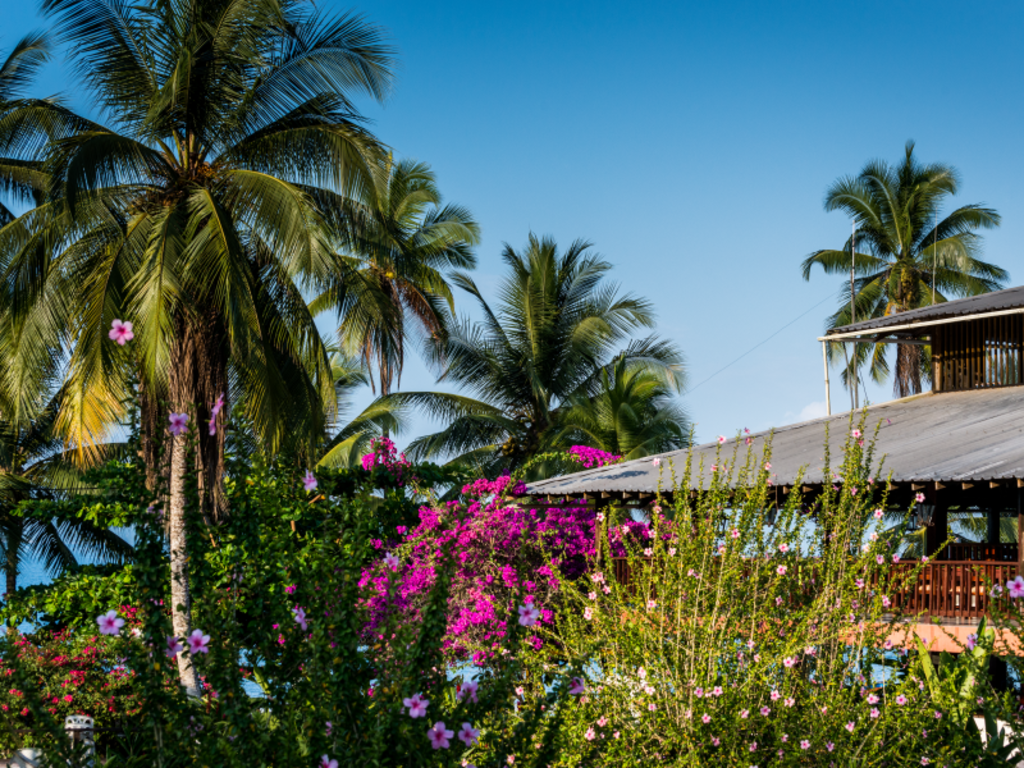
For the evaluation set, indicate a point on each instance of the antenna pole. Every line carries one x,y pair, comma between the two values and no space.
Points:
853,311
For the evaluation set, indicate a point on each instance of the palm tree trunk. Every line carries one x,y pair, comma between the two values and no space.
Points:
15,533
181,601
908,370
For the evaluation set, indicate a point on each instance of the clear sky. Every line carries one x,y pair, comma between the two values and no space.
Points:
693,143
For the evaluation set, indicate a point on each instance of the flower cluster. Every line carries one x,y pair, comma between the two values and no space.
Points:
592,457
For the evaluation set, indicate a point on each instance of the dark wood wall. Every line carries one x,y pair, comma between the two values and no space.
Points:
978,354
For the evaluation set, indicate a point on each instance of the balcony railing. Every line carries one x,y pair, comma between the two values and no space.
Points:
954,590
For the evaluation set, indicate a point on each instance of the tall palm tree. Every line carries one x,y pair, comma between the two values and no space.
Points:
20,181
633,414
401,244
904,253
196,215
556,326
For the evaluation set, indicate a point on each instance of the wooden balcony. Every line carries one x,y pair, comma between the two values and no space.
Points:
955,591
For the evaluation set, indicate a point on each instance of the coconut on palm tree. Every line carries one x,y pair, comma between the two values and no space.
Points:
904,255
196,214
545,345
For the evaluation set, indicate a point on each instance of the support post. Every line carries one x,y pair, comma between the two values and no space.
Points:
993,526
1020,527
828,394
937,531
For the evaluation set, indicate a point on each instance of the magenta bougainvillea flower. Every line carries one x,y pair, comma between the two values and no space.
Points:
593,457
121,332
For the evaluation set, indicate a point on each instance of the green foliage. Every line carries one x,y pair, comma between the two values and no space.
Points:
545,345
274,692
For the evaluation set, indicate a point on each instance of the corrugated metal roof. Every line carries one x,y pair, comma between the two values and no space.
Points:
953,436
1011,298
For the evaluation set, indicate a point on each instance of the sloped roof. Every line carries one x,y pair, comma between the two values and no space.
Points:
947,437
1011,298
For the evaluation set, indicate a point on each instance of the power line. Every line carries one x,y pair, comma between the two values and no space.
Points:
762,343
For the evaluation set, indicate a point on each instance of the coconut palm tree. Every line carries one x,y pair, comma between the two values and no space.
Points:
34,466
196,214
633,414
556,327
401,244
20,180
906,257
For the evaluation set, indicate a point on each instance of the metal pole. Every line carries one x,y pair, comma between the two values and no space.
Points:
853,311
828,395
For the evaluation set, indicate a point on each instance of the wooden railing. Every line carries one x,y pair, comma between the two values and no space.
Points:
955,590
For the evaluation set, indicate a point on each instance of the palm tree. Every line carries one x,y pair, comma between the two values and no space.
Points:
196,215
33,466
403,241
20,180
905,257
556,327
633,414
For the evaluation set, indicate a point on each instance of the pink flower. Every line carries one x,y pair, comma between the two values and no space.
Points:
651,605
767,465
878,514
925,761
872,699
717,691
781,570
901,699
805,744
439,736
775,696
886,602
972,640
528,615
919,498
874,713
849,727
468,735
788,662
602,721
576,686
300,617
309,481
648,551
783,547
652,707
174,647
217,407
721,439
895,558
198,642
121,332
830,746
789,702
417,705
745,714
656,462
706,718
938,715
326,762
671,551
765,711
391,561
178,423
468,691
110,624
587,613
879,559
590,735
1016,587
735,533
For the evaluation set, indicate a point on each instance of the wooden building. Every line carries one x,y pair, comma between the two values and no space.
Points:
961,445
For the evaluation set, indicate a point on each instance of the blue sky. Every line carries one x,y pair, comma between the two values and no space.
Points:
693,143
